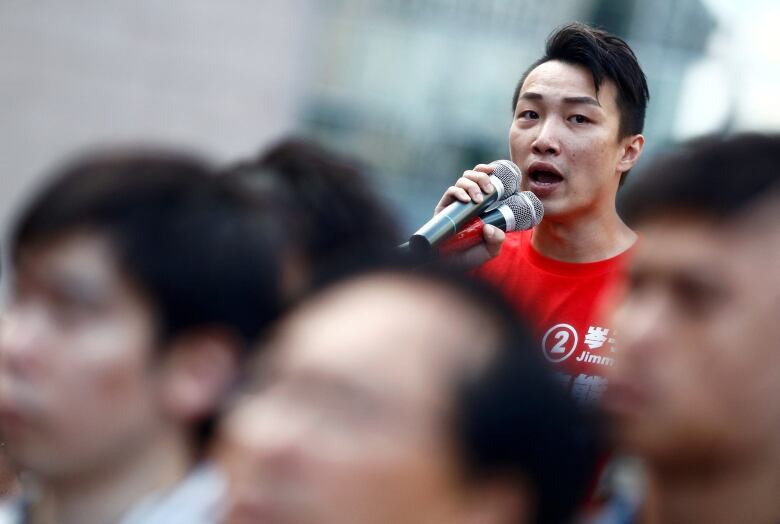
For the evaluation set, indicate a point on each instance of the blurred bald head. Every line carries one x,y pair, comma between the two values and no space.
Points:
397,397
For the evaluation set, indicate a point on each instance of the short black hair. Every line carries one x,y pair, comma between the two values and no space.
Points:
606,56
716,176
512,419
333,215
196,248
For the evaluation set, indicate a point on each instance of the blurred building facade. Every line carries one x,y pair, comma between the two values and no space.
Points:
423,88
418,89
221,78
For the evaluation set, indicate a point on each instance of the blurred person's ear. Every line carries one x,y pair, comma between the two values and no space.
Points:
199,370
499,502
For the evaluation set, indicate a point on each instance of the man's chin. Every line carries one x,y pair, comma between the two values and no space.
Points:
553,207
545,190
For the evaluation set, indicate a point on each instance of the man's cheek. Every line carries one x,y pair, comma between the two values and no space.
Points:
119,382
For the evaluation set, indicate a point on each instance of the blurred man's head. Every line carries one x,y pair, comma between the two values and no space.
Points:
697,378
579,111
404,398
138,279
331,217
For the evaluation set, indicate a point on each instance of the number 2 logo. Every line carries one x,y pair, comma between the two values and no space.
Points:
559,342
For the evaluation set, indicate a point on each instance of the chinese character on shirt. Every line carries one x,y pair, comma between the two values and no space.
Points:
596,337
588,389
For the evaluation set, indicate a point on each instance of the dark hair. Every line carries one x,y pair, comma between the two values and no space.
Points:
718,176
195,247
332,215
512,419
606,56
515,421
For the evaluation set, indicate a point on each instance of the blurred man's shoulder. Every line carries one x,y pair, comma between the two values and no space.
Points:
11,511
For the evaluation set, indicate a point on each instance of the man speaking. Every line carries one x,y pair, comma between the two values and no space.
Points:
576,133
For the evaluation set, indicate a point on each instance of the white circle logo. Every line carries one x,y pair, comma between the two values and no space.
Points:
559,342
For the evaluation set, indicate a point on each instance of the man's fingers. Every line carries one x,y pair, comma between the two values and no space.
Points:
494,239
452,194
485,168
472,188
481,179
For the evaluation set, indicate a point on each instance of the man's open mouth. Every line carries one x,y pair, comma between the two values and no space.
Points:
542,176
544,179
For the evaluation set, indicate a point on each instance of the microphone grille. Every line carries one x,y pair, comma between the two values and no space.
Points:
526,208
509,175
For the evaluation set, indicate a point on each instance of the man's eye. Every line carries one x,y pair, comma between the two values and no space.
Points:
67,315
528,114
697,299
637,282
578,119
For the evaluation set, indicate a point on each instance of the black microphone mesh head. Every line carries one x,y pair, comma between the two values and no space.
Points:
527,210
509,175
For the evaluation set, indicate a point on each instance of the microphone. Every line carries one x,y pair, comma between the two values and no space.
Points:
505,178
516,213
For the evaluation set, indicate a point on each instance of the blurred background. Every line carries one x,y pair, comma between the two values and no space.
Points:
418,89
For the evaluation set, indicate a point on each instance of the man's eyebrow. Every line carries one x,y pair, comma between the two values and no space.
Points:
530,95
582,100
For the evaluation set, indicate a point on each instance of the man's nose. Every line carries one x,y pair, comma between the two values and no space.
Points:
641,323
280,437
547,141
20,335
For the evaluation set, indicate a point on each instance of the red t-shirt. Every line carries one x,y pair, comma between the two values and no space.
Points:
567,305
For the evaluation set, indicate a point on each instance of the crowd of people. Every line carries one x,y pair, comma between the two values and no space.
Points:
193,343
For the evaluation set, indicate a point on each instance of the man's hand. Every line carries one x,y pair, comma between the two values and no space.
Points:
472,186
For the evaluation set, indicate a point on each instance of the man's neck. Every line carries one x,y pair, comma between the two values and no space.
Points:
588,237
106,495
737,494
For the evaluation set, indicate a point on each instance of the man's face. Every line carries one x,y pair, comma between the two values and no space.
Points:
564,138
350,422
696,378
75,387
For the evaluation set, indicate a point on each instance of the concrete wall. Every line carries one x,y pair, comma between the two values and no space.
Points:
220,76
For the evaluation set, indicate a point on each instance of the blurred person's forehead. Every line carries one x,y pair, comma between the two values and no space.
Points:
384,328
748,244
686,237
83,261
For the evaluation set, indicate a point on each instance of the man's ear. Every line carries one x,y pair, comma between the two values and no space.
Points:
631,150
199,369
500,501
